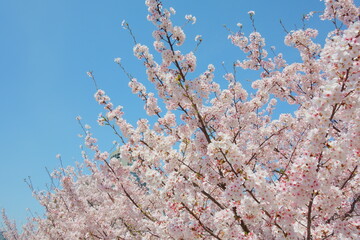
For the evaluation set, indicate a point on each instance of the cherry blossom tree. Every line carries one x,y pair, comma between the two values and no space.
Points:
215,164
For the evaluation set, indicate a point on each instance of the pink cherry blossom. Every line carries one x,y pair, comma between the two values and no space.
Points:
218,163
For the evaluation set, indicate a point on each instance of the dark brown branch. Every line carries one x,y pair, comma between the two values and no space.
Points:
202,127
213,199
200,222
275,223
232,168
353,205
261,144
251,193
242,223
309,217
143,142
352,174
136,205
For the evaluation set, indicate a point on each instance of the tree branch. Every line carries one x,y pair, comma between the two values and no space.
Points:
201,224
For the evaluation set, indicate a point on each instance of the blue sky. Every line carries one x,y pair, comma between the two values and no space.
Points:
46,48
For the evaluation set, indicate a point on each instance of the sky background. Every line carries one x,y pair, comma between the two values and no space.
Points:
47,46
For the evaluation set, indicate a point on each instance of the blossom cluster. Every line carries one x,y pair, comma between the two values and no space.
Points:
214,163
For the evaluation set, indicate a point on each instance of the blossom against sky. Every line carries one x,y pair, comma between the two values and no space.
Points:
48,46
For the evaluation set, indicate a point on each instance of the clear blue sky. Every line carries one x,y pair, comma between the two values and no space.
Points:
46,47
